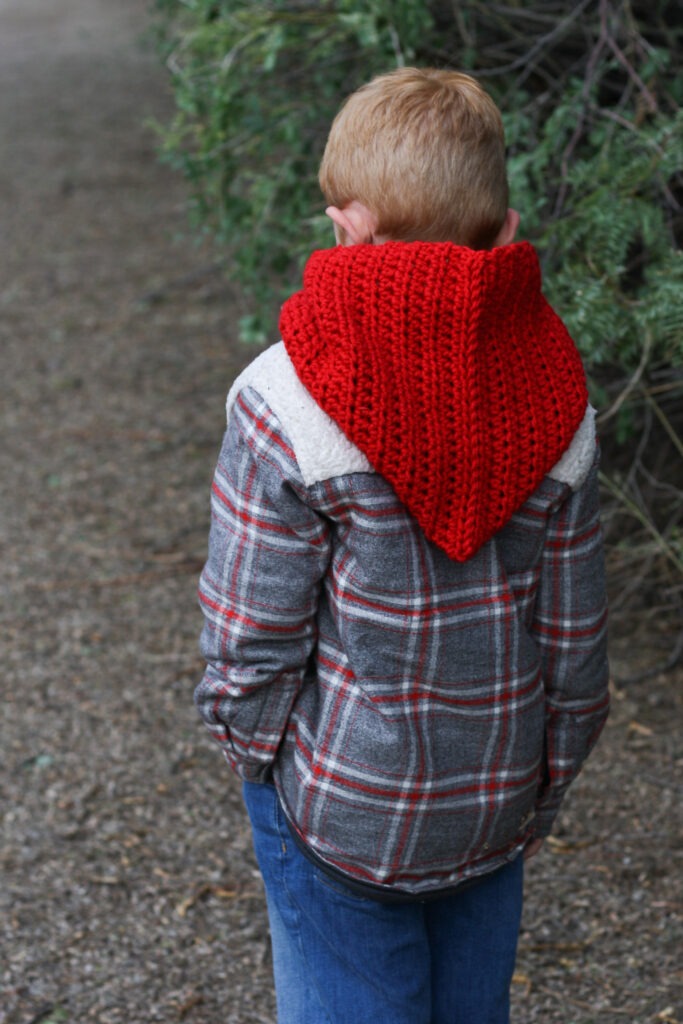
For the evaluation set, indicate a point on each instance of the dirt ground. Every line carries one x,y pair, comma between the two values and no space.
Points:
128,889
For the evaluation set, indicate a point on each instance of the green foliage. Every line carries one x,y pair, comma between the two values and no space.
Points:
257,85
591,94
610,241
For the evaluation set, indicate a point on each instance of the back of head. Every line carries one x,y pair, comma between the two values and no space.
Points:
424,150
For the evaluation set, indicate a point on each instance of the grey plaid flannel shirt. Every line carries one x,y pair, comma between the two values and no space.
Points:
421,718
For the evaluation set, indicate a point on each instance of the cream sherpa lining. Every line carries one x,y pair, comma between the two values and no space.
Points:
323,451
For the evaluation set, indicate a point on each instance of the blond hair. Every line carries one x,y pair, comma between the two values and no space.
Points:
424,151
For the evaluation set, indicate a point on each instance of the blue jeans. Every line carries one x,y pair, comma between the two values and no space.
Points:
341,958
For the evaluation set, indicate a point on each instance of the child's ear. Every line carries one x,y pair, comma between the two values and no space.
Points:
507,233
354,225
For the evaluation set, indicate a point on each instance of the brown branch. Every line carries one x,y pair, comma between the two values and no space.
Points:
647,96
633,382
589,77
526,60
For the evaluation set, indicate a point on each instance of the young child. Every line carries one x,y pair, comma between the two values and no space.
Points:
404,598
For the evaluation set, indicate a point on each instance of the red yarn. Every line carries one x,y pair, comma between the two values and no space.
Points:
447,368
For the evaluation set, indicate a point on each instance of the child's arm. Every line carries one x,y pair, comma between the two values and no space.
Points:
268,551
570,630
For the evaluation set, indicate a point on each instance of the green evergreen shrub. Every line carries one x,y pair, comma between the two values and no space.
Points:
257,85
591,94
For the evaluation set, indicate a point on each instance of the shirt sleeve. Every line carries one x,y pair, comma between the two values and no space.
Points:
259,590
570,630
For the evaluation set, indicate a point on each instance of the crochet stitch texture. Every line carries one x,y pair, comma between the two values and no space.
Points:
447,368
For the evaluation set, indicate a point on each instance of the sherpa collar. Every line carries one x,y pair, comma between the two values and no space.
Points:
447,368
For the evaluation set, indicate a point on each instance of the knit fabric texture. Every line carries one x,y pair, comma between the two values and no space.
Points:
447,368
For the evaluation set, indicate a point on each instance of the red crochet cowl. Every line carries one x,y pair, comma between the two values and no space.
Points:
447,368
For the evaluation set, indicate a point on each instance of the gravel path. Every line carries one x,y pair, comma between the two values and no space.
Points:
128,891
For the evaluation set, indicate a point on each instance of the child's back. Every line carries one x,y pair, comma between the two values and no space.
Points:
404,597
